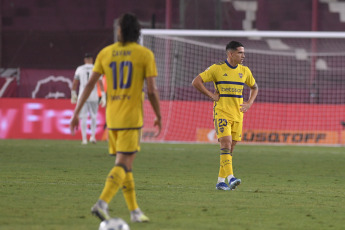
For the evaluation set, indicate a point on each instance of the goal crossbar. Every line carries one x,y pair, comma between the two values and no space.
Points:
246,33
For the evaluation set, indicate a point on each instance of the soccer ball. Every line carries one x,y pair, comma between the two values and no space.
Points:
114,224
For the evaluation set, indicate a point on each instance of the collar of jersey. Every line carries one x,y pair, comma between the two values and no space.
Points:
232,67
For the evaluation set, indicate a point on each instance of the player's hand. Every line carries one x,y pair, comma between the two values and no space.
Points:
215,96
158,123
74,97
245,107
74,124
103,101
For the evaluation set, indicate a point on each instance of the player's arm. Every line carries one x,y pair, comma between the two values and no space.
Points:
198,83
74,96
252,95
86,93
103,97
153,95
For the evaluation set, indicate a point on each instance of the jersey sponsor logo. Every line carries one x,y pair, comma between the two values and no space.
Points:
120,97
231,90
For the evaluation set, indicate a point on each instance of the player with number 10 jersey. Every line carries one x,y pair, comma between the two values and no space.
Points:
125,68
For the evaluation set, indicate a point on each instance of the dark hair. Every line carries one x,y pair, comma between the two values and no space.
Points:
130,28
87,55
233,45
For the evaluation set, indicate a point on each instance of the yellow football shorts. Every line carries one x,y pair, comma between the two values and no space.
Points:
124,141
226,127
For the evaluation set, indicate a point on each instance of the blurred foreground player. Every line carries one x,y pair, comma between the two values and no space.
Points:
81,77
126,65
229,78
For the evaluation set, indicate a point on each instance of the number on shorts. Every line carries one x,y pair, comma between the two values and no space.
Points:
222,122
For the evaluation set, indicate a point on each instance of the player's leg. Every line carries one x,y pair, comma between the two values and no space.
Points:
224,137
128,190
113,182
233,144
225,155
83,123
93,109
129,145
236,136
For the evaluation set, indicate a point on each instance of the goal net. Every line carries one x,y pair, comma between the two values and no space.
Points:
300,76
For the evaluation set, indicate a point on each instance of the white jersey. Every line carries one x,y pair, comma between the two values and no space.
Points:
83,74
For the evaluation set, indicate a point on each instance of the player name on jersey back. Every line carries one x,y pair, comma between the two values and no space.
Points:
122,53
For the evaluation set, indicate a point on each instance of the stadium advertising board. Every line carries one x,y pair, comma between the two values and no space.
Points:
287,123
40,119
185,121
279,137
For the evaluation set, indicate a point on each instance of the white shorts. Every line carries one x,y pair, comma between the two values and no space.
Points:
90,107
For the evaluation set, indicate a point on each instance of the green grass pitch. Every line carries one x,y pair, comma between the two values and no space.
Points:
48,184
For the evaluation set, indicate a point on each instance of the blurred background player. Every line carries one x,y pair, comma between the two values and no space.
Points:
229,78
81,77
100,93
126,65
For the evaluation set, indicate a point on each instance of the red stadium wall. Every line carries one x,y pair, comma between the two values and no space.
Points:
183,121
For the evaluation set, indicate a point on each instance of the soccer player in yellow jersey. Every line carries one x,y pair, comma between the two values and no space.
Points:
126,65
229,78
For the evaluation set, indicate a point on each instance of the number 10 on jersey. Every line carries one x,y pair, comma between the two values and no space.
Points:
125,74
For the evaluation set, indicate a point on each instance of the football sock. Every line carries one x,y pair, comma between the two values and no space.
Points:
221,174
221,179
128,189
226,163
229,177
93,127
113,183
83,127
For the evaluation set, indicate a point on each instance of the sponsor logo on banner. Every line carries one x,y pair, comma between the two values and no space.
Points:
281,137
41,119
51,80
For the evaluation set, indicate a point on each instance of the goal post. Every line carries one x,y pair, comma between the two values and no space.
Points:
300,76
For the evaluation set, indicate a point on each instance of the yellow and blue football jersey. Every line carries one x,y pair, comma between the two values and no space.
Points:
229,82
125,67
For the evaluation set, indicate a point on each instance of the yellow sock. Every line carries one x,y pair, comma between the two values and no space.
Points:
226,162
113,183
128,190
221,171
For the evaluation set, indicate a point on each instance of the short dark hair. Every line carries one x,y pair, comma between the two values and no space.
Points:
87,55
233,45
130,28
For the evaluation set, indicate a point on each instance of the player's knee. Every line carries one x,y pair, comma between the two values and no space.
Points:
225,144
233,146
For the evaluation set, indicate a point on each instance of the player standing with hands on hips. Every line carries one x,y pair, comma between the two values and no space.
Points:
81,77
229,78
126,65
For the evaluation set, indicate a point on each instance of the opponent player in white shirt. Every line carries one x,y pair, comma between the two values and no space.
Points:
81,77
